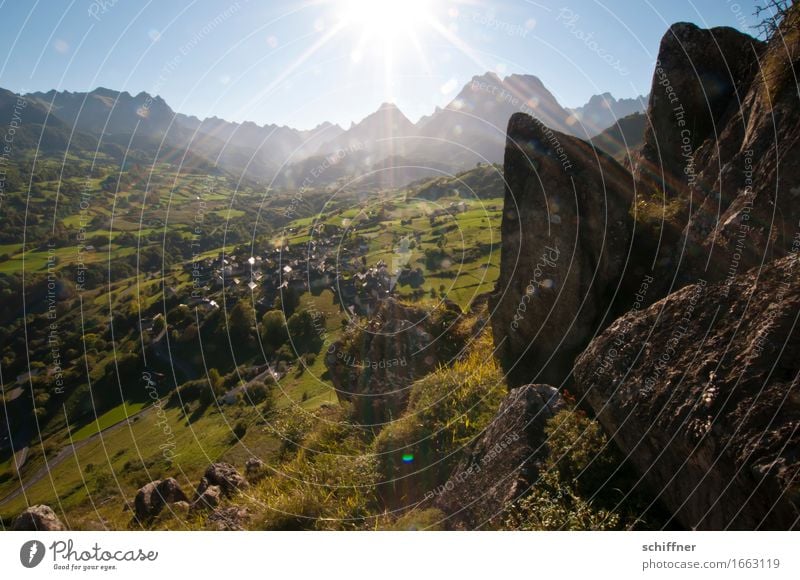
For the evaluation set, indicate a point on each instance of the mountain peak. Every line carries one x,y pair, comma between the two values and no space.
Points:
104,92
489,76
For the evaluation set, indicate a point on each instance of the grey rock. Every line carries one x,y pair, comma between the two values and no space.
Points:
208,499
151,498
223,475
37,518
557,280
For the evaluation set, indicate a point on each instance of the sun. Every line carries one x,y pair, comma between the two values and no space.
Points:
386,19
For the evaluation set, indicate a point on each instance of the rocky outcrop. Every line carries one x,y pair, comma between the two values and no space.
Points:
699,75
223,475
373,367
702,392
37,518
748,194
717,192
151,498
566,237
503,463
723,127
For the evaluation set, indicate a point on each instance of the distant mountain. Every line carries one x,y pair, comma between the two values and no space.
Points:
283,144
602,111
383,149
32,129
107,112
623,138
382,133
472,127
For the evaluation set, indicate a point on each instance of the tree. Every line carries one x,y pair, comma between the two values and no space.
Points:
303,332
214,389
257,392
215,380
287,301
273,330
242,320
772,13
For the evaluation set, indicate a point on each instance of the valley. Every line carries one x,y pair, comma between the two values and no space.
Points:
509,314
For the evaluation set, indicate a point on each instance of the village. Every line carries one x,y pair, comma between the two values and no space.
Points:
331,259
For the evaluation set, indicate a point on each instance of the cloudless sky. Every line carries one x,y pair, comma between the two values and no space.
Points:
300,63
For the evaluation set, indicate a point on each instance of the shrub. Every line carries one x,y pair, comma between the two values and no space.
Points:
273,330
256,392
579,451
240,430
582,482
446,410
328,484
552,505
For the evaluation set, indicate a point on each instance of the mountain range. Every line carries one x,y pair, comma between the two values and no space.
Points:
383,149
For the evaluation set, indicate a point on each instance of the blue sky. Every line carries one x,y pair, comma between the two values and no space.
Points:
301,63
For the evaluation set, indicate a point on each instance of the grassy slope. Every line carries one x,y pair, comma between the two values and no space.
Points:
89,488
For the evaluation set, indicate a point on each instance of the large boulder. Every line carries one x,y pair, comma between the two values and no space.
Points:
152,497
223,475
702,392
566,237
503,463
373,367
716,193
37,518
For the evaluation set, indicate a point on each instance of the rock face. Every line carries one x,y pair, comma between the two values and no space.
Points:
223,475
151,498
503,463
566,236
717,193
37,518
699,74
749,180
373,367
723,126
703,393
